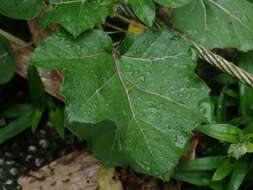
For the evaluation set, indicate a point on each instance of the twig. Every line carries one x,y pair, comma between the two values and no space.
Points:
116,28
12,38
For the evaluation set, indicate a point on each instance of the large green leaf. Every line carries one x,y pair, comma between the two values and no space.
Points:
21,9
7,61
148,89
217,24
76,16
173,3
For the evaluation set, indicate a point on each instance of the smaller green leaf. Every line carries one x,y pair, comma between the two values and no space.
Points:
217,23
21,9
248,139
200,178
36,88
246,92
221,106
36,119
144,10
16,110
223,170
76,16
216,185
224,79
202,164
222,132
56,116
7,61
239,173
15,127
173,3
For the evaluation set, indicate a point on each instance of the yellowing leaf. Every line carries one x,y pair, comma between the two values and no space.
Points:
107,180
135,29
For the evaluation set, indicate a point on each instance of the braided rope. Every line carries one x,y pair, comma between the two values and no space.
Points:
205,54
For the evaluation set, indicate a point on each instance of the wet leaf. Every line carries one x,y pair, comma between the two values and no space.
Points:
75,16
21,9
217,23
144,90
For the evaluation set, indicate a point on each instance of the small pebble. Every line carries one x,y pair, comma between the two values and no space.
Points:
32,149
9,182
43,143
42,132
9,163
13,171
38,162
28,157
49,124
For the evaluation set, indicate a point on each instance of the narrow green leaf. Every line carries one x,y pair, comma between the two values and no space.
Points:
222,132
56,116
144,91
217,23
239,173
217,185
200,178
221,106
16,110
36,119
15,127
7,61
36,89
246,92
21,9
223,170
76,16
202,164
224,79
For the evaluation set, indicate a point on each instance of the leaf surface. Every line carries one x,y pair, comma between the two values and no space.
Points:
144,10
217,24
148,89
76,16
7,61
21,9
173,3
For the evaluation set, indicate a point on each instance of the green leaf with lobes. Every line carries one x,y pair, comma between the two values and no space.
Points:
217,23
148,89
75,16
21,9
